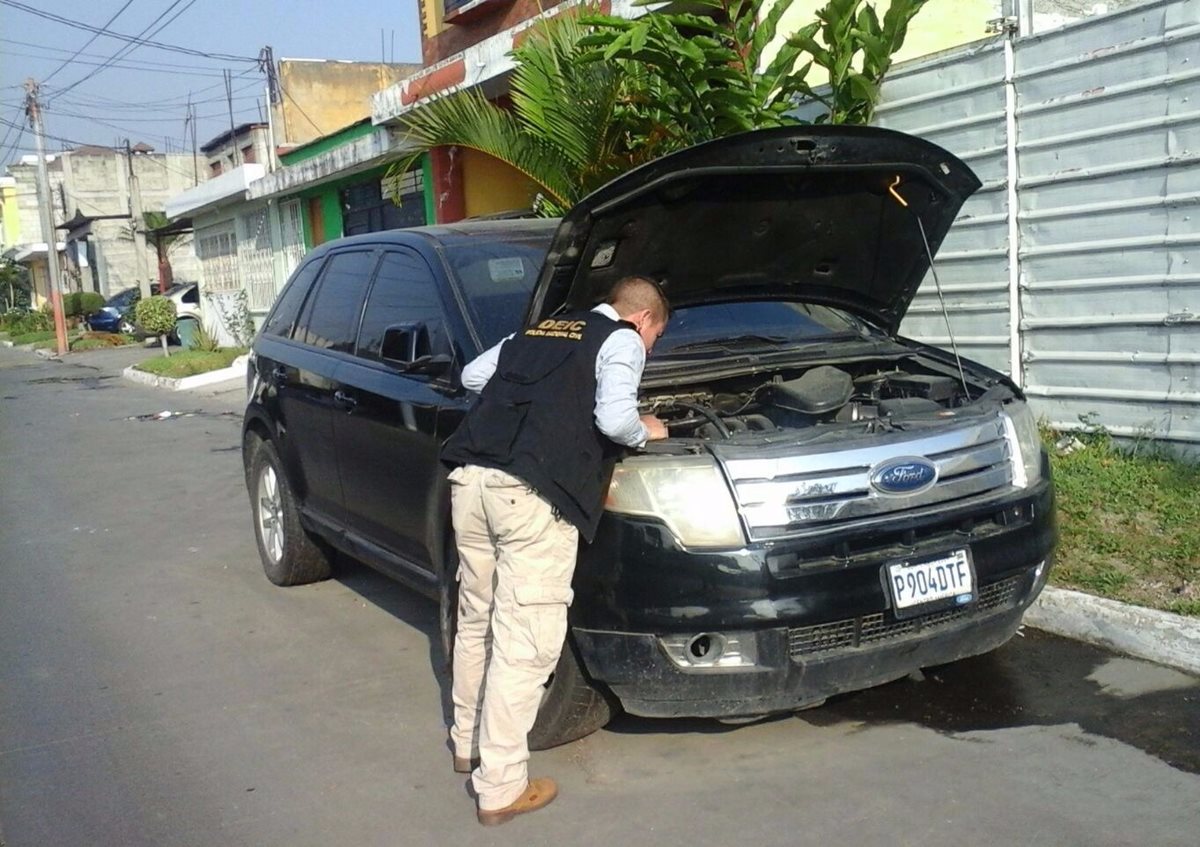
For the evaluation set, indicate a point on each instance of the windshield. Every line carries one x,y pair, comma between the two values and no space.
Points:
747,325
497,278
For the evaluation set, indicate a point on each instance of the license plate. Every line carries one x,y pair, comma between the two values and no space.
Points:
917,584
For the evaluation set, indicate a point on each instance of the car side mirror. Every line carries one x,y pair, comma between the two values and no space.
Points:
434,365
406,347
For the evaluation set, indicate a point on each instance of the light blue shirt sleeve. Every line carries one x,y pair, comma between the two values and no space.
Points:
618,373
476,375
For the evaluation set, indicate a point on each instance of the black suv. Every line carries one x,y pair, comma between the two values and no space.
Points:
836,507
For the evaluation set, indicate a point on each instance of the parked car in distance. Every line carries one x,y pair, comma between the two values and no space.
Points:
186,297
836,507
116,315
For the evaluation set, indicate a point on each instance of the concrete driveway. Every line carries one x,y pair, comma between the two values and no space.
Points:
156,690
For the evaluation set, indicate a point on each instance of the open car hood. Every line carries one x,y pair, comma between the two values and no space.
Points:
820,214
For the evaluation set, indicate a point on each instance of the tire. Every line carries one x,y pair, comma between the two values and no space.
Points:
290,556
572,705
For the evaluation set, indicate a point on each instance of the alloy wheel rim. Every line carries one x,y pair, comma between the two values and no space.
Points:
270,514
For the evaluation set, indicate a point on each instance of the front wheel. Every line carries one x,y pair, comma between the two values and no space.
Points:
289,555
572,706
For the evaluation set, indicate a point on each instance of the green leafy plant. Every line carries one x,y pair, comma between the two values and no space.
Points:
204,340
90,302
156,315
22,323
703,67
234,317
70,303
595,96
855,49
15,287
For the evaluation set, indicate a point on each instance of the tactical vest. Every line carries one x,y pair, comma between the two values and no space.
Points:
536,417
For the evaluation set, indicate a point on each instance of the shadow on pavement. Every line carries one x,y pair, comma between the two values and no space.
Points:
1037,680
1043,680
402,603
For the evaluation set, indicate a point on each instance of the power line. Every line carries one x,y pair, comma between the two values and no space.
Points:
129,48
52,49
155,68
173,48
87,43
159,105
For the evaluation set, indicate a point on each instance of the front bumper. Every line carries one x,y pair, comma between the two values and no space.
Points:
821,624
797,667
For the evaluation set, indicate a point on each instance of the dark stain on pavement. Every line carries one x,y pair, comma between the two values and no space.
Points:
1042,680
84,381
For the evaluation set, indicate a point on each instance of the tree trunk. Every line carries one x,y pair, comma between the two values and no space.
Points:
163,339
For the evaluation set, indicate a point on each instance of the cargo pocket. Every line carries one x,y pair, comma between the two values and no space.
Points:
542,612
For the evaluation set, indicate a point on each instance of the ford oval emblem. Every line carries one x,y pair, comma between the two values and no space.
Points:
907,475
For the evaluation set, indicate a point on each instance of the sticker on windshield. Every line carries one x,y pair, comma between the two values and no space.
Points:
509,269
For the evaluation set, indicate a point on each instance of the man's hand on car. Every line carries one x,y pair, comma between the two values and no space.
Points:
656,430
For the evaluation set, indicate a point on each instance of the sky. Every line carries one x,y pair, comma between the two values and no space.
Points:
142,96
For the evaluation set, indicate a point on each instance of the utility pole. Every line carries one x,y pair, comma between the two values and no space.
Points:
139,223
34,111
237,160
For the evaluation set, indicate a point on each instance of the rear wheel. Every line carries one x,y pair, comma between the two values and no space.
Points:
289,555
572,705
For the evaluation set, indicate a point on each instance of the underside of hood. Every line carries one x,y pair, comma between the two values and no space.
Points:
820,214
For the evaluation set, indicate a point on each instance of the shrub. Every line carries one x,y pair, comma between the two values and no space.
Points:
90,302
71,305
29,322
156,316
204,340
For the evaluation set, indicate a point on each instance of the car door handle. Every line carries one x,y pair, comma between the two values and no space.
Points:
345,400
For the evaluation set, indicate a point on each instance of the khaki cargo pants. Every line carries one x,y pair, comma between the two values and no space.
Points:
516,560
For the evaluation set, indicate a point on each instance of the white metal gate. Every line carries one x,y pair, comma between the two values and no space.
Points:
1076,267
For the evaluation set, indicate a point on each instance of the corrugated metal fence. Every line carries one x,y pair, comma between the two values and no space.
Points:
1076,267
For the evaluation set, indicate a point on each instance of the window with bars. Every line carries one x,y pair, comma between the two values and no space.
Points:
217,248
256,258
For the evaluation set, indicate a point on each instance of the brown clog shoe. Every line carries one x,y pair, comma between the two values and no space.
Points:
538,794
465,765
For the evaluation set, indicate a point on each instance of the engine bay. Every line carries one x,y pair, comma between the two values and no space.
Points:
873,396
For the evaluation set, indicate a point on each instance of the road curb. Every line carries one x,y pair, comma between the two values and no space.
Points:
1161,637
234,371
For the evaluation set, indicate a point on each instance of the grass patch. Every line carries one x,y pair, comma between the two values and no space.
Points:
1129,523
191,362
32,337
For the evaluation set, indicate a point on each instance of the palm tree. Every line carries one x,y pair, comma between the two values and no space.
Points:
571,127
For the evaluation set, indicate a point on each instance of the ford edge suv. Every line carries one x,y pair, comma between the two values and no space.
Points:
836,505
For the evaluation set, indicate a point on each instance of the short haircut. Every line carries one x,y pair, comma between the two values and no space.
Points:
633,293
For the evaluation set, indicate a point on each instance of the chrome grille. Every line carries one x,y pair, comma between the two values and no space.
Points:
786,490
808,641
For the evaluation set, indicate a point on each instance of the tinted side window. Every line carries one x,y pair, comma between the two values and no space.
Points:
404,292
332,320
287,307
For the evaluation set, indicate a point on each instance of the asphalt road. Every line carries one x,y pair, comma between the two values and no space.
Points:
156,690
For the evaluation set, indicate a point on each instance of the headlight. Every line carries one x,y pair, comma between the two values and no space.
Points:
687,493
1025,443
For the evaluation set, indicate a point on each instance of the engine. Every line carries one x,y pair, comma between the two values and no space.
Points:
819,396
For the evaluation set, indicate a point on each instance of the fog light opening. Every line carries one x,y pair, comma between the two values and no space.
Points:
706,648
